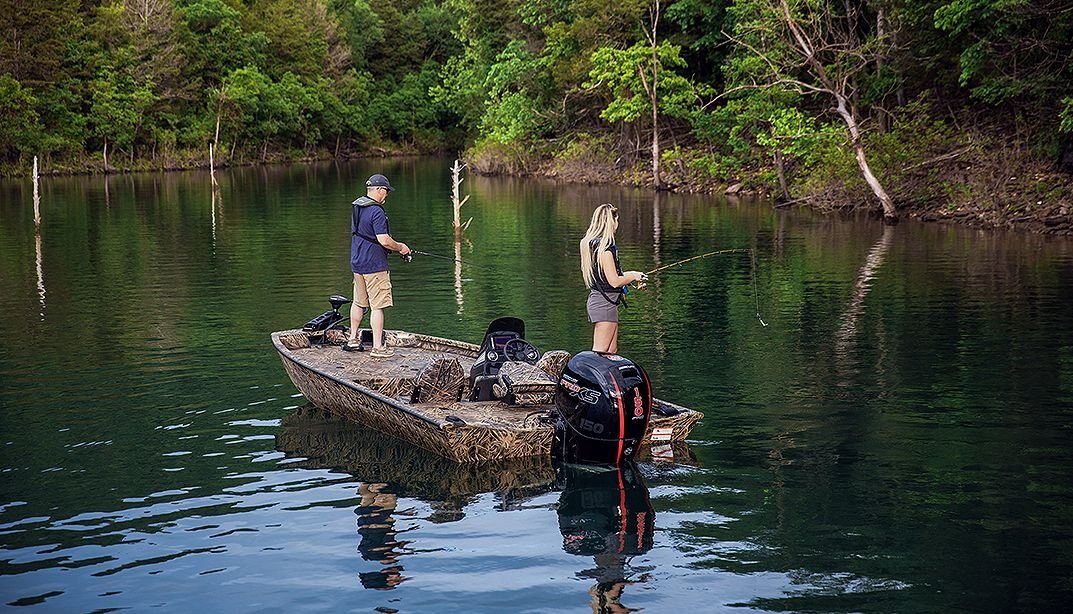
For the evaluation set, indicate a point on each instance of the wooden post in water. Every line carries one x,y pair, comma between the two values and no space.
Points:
37,200
37,243
212,165
456,178
459,297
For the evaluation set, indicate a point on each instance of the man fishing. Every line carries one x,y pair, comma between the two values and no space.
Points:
370,242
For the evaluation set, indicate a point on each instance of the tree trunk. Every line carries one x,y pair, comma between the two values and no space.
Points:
890,215
219,112
881,30
655,102
106,155
780,168
656,179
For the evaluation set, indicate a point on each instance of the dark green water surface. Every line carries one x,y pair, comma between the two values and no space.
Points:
897,439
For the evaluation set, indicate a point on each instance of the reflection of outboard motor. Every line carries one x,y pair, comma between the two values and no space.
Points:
491,356
328,319
604,510
604,402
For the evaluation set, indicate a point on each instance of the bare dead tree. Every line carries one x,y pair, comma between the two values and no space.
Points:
823,56
651,85
456,183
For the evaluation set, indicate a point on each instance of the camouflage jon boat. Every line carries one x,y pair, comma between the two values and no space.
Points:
471,403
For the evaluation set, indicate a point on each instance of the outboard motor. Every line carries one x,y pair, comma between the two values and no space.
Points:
604,402
328,319
491,356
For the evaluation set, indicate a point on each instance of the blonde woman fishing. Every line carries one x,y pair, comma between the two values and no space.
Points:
604,277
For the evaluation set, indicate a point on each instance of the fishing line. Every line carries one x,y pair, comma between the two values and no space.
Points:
752,271
756,295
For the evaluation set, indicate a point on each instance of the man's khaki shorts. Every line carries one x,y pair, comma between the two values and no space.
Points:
373,290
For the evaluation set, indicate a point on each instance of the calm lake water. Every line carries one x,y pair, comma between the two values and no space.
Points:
898,438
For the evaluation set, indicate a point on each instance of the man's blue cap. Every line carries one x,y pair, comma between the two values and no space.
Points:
379,181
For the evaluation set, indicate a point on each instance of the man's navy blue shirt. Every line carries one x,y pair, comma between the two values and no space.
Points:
366,253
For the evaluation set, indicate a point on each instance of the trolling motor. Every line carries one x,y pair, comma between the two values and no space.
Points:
328,319
604,402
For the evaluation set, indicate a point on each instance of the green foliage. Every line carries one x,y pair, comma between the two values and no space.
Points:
512,112
31,48
20,125
619,72
297,33
516,77
214,41
1010,49
364,29
792,133
1066,115
117,107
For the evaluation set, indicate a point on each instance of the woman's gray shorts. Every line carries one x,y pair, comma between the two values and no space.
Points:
600,309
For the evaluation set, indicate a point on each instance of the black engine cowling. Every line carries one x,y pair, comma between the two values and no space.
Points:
604,402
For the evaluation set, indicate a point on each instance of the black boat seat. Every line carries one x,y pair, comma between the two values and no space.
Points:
520,383
442,380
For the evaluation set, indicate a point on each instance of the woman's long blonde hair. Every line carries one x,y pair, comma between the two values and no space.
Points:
602,227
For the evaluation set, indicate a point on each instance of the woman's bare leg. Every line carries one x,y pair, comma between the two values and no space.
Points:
605,337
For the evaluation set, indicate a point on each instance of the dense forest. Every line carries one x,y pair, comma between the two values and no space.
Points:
945,107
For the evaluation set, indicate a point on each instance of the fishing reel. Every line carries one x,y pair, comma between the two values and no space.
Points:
408,257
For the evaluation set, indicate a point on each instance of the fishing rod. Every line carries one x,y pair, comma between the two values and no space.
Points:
752,271
691,258
442,257
409,257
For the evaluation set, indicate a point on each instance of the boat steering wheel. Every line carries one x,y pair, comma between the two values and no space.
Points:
521,350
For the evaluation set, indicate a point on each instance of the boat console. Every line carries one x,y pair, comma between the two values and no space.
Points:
504,341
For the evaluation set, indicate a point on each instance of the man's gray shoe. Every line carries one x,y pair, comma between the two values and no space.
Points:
353,345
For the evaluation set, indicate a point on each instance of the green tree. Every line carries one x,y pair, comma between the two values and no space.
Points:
20,126
642,82
298,33
117,109
31,48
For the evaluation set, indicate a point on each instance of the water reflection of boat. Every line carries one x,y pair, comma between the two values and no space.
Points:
605,512
327,441
473,403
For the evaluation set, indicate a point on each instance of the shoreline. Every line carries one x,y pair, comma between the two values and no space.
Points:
1037,199
1040,201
